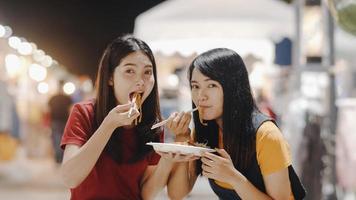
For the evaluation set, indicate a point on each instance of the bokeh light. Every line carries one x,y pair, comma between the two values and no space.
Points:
37,72
12,64
43,88
69,88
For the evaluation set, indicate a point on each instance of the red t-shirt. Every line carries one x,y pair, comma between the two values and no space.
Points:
108,179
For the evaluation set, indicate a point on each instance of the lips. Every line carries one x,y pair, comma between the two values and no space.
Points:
204,107
131,94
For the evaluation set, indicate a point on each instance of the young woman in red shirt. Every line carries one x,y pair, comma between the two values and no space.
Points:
105,156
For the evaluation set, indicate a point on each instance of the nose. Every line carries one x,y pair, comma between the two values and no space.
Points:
202,97
140,83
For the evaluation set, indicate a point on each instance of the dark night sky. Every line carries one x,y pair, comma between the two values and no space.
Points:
73,32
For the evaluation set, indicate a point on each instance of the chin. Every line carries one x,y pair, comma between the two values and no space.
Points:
208,118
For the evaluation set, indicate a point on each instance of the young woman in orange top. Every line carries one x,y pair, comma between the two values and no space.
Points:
253,159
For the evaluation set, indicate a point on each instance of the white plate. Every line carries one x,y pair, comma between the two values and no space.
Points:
179,148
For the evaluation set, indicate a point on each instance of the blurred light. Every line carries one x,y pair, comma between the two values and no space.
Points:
173,80
47,61
38,55
14,42
257,76
23,39
312,38
43,88
37,72
12,64
87,86
69,88
55,62
25,48
313,84
2,31
8,32
34,46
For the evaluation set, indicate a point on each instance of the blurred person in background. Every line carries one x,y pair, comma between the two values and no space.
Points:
9,123
264,105
59,108
253,159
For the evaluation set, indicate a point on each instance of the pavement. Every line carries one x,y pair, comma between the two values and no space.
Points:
37,179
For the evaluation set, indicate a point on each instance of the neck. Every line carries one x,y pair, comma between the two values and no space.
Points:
129,126
219,121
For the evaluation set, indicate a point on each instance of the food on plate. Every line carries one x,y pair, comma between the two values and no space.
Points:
197,144
181,148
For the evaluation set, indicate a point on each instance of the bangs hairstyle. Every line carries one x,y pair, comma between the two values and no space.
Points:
105,99
227,67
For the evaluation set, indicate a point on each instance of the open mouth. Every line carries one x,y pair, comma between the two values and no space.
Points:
136,99
134,95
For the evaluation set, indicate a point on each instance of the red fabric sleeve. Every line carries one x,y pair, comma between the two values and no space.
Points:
153,157
79,125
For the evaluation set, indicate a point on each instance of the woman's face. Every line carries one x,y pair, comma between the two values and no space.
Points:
133,74
208,95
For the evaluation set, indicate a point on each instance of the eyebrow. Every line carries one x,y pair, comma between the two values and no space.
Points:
132,64
208,79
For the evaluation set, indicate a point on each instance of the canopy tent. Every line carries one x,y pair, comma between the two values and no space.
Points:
198,25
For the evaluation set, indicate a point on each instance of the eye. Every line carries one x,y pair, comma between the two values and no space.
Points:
130,71
148,72
212,85
194,86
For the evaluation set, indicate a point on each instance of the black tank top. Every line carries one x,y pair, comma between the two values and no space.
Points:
254,175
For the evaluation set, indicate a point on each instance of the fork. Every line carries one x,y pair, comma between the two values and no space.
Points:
162,123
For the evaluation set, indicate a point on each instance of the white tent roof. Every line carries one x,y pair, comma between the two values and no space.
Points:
189,26
177,19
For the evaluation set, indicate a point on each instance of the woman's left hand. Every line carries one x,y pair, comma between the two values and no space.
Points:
220,168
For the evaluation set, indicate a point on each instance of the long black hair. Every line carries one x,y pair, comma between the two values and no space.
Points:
227,67
105,98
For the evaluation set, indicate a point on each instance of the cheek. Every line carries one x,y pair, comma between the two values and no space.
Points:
121,89
194,98
150,83
220,110
219,102
149,86
121,94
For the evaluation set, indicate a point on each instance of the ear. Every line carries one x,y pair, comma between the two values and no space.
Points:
111,82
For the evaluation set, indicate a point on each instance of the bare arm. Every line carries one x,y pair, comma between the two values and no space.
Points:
155,179
278,184
221,168
79,161
182,180
183,176
277,187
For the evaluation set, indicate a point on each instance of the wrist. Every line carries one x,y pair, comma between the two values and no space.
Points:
167,163
237,180
182,137
109,127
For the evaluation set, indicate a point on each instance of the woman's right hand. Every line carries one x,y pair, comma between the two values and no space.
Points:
119,116
177,157
178,124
